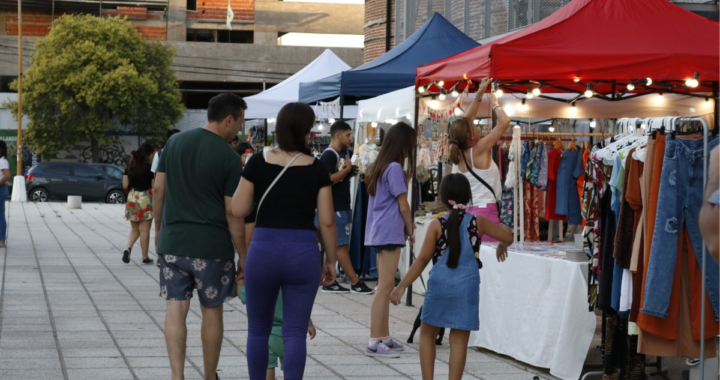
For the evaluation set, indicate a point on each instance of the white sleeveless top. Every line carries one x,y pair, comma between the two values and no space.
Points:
481,194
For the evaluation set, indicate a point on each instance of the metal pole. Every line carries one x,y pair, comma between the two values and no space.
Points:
20,98
53,12
408,299
704,256
100,8
167,20
342,106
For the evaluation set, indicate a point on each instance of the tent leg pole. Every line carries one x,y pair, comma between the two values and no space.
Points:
408,299
342,107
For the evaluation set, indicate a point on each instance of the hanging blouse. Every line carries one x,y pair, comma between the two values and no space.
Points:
543,175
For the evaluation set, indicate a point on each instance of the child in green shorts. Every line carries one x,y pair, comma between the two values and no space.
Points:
275,344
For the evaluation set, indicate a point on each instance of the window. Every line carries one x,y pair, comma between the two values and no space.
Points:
220,36
84,171
113,171
192,5
59,169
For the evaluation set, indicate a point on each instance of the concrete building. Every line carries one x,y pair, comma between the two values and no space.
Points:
210,57
482,20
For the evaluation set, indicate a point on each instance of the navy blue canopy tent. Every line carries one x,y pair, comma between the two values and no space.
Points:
435,40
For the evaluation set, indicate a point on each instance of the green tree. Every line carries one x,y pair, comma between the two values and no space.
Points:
89,72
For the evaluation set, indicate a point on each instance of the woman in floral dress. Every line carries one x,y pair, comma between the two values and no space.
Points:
139,209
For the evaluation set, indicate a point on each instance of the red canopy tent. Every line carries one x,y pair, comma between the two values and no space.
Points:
606,44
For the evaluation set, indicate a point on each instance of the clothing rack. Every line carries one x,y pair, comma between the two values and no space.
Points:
674,122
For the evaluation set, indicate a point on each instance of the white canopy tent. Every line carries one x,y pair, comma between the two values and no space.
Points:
391,106
268,103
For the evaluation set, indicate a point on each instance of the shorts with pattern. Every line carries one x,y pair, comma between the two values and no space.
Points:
213,279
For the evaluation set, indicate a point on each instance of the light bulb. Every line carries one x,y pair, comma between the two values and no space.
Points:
649,82
421,89
434,104
573,109
593,124
441,83
523,106
529,95
536,91
630,87
331,121
374,124
320,127
588,94
551,129
659,98
692,83
476,122
458,112
441,97
577,80
707,102
455,94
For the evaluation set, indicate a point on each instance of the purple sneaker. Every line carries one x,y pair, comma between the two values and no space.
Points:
381,350
395,346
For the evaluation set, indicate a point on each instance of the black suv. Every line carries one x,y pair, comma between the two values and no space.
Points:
60,179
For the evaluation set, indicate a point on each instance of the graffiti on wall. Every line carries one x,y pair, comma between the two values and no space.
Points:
117,152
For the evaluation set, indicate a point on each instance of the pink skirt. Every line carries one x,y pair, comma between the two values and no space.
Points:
491,212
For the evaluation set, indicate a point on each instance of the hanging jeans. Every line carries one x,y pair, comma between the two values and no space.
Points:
679,200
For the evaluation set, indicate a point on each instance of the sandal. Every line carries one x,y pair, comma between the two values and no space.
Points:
147,261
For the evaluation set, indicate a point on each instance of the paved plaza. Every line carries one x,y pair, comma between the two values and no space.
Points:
70,309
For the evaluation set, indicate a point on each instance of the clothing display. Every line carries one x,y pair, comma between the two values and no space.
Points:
646,192
568,199
553,167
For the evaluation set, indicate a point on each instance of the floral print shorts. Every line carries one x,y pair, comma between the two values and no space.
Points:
213,279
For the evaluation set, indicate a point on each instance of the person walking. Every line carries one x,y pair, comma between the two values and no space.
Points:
196,232
341,170
389,226
452,300
156,160
472,153
138,178
283,187
4,191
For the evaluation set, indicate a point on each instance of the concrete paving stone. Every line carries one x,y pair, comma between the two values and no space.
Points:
91,353
87,343
149,343
364,370
32,374
99,373
344,359
151,352
30,362
149,362
21,353
24,328
37,320
48,343
89,363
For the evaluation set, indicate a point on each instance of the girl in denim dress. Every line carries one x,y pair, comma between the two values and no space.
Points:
452,299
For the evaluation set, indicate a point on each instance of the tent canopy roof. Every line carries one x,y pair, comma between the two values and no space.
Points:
268,103
394,70
594,40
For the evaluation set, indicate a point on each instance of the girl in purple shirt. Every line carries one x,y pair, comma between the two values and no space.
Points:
389,226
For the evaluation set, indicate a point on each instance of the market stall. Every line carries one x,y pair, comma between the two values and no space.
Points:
591,58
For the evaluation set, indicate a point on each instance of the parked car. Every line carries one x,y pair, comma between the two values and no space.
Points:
60,179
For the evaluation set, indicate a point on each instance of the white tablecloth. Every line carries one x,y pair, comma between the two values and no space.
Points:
534,309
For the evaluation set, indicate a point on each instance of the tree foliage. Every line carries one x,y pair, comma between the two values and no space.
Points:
90,73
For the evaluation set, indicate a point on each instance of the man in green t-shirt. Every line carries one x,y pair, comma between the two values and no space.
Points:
196,233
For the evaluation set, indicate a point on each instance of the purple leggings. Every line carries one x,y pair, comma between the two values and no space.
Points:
287,260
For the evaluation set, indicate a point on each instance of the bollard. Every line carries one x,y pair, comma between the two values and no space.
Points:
74,202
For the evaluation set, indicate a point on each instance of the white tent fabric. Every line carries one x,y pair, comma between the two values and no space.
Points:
268,103
390,106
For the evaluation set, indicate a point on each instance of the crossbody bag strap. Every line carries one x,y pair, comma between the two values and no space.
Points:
470,169
257,212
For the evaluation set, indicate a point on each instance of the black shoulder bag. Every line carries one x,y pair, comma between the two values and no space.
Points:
472,171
